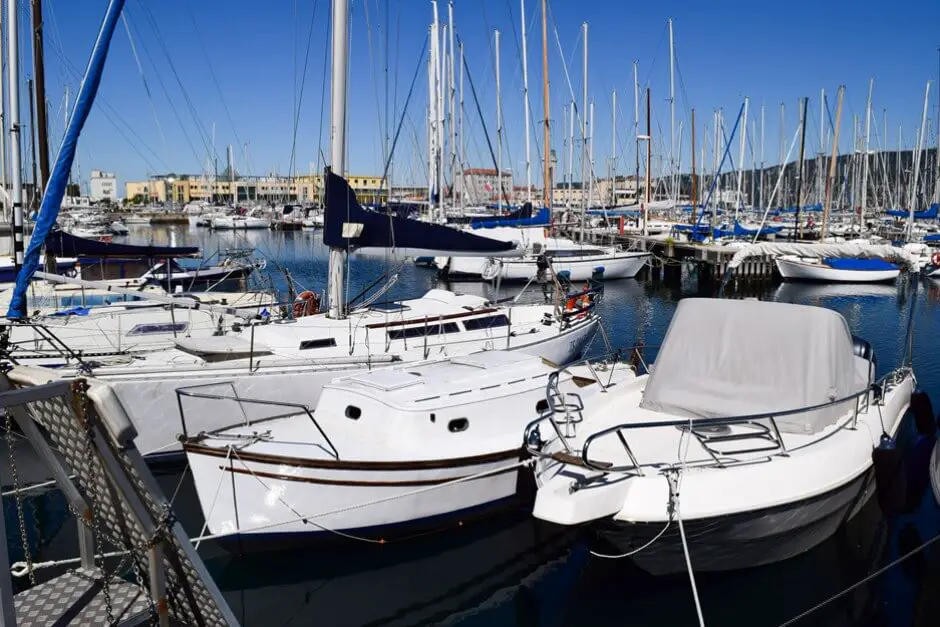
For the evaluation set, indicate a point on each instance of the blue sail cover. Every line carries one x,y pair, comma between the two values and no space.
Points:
384,231
63,244
933,237
740,231
520,217
58,178
851,263
927,214
615,213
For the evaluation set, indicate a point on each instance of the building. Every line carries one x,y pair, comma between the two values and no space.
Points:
481,186
103,185
180,189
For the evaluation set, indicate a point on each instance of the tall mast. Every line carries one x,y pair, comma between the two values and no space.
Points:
636,132
7,202
460,181
920,146
694,184
936,183
820,180
590,164
737,200
570,153
525,101
761,204
452,97
613,149
31,97
16,163
864,184
499,134
546,139
798,230
39,72
340,54
649,141
584,132
673,165
830,183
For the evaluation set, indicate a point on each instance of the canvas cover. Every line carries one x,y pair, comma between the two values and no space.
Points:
823,251
745,357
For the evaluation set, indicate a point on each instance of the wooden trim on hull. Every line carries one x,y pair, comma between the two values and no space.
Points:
337,464
358,484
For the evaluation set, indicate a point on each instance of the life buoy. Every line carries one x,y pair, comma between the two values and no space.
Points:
935,259
491,269
306,303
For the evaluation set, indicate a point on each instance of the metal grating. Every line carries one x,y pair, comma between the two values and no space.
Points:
76,429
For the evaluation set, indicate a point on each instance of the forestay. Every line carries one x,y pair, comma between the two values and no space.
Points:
739,358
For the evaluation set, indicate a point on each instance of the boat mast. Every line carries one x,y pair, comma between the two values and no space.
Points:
783,156
7,202
340,63
570,153
613,149
39,73
738,197
649,150
636,132
452,93
13,76
546,139
936,183
590,164
864,191
460,181
694,183
499,134
584,131
820,176
525,102
673,164
798,230
830,183
433,148
920,146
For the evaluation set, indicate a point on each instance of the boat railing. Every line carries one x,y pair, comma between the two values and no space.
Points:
762,433
252,410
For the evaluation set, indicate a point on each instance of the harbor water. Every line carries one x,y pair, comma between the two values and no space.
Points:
513,570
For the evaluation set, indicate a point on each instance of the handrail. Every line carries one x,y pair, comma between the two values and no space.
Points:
533,443
187,392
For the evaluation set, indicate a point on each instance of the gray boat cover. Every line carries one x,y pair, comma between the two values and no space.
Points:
746,357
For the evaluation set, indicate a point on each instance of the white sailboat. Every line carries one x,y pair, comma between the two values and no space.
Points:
832,263
747,457
411,444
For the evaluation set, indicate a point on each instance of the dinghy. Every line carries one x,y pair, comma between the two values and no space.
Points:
753,456
836,270
411,445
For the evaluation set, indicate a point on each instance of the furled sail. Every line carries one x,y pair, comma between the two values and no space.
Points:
63,244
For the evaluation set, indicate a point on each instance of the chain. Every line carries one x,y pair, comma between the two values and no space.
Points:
19,499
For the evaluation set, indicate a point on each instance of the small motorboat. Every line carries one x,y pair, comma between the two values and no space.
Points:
174,274
753,452
413,445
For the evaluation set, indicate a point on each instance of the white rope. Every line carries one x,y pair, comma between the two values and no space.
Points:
634,551
678,513
214,498
386,499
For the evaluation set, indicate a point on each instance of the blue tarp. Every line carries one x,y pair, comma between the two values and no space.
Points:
385,231
928,214
74,311
59,177
841,263
740,231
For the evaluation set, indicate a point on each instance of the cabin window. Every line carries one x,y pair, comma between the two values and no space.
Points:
423,330
321,343
150,329
353,412
541,406
457,425
489,322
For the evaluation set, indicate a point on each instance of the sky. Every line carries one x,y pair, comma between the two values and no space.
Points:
186,78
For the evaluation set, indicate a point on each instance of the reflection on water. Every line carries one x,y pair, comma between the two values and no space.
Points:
515,571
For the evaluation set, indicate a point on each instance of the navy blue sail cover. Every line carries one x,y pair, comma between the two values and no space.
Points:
63,244
385,231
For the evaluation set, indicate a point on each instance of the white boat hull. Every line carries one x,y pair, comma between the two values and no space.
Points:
228,223
334,498
797,270
621,265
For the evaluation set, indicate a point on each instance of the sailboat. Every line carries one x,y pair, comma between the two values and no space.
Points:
269,354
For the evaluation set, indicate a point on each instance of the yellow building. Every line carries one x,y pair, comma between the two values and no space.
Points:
308,188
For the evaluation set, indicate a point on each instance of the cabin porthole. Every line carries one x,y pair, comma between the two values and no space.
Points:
457,425
353,412
433,418
541,407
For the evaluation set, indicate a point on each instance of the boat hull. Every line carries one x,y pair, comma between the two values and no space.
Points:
743,540
616,266
350,496
794,270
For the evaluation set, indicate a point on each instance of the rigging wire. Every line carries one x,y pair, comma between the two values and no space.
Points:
299,98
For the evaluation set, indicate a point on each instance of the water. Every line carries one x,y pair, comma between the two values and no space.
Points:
513,570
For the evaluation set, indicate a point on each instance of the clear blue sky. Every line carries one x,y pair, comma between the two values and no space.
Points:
771,52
